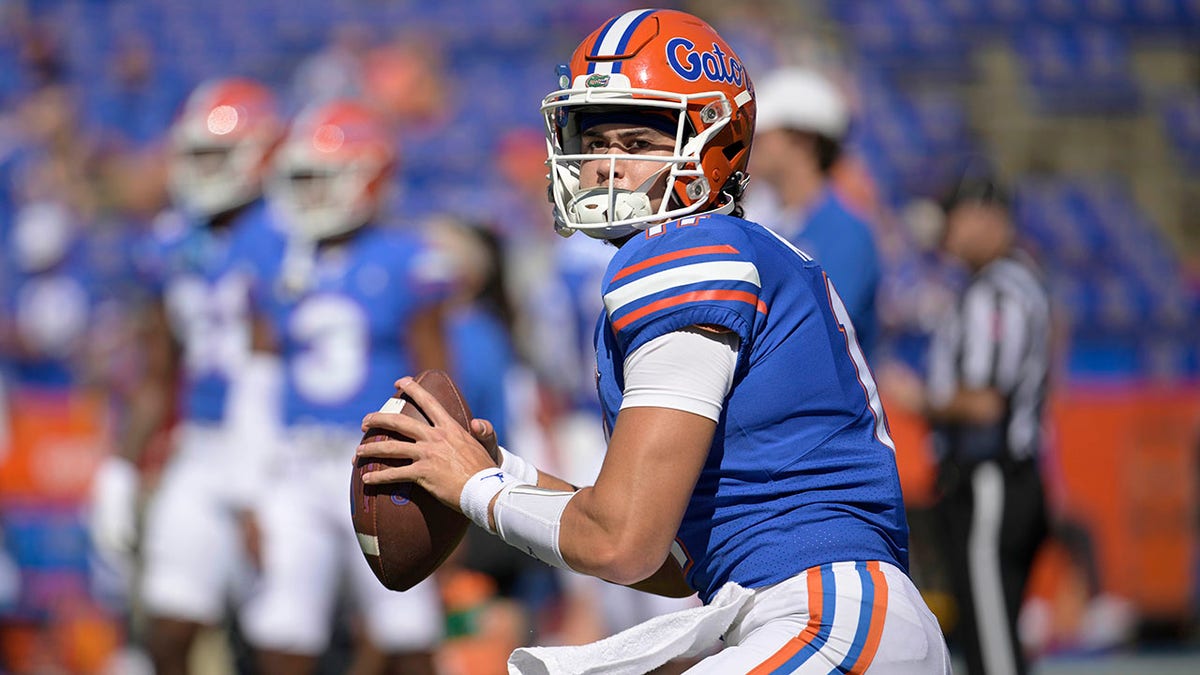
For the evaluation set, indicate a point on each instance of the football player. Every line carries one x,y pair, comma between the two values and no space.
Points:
749,458
352,302
195,336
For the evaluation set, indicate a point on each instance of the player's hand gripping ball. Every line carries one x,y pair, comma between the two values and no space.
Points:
405,532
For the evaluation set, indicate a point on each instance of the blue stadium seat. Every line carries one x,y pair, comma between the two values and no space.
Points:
1080,69
1113,275
919,138
910,38
1181,121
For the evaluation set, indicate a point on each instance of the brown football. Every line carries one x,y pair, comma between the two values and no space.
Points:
406,533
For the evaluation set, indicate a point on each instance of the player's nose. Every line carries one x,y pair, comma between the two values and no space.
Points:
609,168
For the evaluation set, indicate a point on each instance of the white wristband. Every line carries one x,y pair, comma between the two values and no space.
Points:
529,518
515,465
477,494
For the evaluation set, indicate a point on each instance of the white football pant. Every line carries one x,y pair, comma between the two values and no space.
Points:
310,551
195,562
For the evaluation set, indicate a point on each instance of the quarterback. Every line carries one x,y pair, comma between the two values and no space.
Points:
748,458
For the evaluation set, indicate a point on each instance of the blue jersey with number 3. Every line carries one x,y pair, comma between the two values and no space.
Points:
343,337
802,469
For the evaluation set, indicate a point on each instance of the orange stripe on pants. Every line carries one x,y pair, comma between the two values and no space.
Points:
793,646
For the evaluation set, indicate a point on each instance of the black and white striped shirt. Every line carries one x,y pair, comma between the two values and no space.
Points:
997,337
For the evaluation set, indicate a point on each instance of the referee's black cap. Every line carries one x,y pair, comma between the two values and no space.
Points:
977,184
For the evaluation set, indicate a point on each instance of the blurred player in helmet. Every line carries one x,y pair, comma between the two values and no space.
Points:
748,457
351,303
195,337
803,121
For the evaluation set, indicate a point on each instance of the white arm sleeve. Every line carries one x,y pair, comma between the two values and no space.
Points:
689,370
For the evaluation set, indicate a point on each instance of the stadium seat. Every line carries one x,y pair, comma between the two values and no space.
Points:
1077,69
1181,121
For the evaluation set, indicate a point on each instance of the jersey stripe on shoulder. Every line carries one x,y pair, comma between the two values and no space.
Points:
689,275
693,296
718,270
668,257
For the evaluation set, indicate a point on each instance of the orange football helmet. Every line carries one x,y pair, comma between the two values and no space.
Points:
652,60
221,146
331,175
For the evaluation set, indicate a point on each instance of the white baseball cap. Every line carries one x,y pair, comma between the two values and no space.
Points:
803,100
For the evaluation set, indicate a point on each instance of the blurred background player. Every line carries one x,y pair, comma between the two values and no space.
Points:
479,315
803,123
491,592
346,301
194,337
989,370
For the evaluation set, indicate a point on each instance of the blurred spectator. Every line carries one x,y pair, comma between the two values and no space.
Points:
405,80
491,590
802,124
51,319
53,156
987,386
52,296
479,322
336,71
41,57
137,104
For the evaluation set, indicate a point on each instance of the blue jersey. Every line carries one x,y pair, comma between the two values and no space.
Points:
844,245
342,337
482,357
566,312
802,469
202,276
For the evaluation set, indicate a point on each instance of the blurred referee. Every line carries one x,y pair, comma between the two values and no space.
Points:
989,364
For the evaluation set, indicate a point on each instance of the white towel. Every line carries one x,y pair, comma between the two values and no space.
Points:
642,648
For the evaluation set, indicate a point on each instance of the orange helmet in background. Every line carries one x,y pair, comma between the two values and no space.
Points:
661,61
332,173
221,146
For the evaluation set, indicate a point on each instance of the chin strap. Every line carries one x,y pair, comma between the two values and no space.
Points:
592,207
726,208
